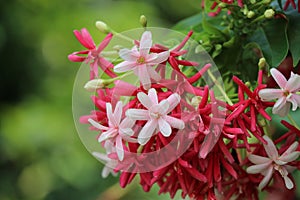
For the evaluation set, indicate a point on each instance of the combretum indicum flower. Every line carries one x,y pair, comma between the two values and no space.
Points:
156,115
267,165
116,130
286,95
141,62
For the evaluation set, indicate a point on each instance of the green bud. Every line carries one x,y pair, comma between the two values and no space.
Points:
250,14
262,63
102,27
143,21
269,13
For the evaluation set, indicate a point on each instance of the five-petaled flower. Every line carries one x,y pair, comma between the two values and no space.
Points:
156,115
93,53
286,95
141,62
116,131
267,165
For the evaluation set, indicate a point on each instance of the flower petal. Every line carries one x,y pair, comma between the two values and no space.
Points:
145,100
164,127
125,66
161,57
153,95
162,107
107,134
97,125
291,148
173,100
289,157
281,107
255,169
270,148
145,43
153,74
144,76
293,84
266,179
119,148
127,123
112,121
288,182
295,100
127,55
270,94
258,159
137,114
279,78
118,112
147,132
87,39
174,122
104,42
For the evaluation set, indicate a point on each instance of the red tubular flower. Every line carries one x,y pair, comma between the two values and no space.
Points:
292,2
93,53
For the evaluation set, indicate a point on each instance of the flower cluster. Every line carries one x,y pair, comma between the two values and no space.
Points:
173,129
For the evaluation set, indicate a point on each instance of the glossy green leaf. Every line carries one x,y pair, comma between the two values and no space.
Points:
294,35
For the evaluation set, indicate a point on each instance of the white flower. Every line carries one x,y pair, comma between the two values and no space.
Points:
156,115
116,130
267,165
141,62
286,95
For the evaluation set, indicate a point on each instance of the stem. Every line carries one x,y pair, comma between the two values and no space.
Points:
119,35
219,87
293,121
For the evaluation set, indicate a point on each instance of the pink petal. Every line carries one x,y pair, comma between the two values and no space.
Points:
161,57
295,100
293,84
153,95
127,55
123,88
88,39
112,121
153,74
127,123
162,107
208,144
137,114
104,42
118,112
147,132
145,43
164,127
291,148
119,148
144,76
100,156
281,107
126,131
255,169
82,40
173,100
270,94
145,100
107,134
288,158
125,66
270,148
97,125
266,179
75,58
258,159
278,77
174,122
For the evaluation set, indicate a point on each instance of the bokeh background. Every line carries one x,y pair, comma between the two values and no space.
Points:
42,157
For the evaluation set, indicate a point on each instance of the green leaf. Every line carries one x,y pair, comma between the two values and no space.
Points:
294,35
273,41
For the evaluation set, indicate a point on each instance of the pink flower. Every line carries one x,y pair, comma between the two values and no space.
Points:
141,62
286,95
156,115
116,130
267,165
93,53
292,2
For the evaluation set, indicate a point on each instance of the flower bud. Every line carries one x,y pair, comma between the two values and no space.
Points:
95,84
250,14
143,21
102,27
262,63
196,101
269,13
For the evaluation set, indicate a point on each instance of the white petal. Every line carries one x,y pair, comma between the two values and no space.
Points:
97,125
281,107
295,100
145,100
289,157
127,123
118,112
128,55
153,74
161,57
288,182
255,169
173,100
153,95
100,156
137,114
291,148
144,76
278,77
258,159
119,148
270,148
164,127
266,179
125,66
112,121
147,132
107,134
145,43
163,107
175,122
293,84
127,131
270,94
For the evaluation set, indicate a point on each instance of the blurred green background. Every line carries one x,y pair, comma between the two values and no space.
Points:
41,154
